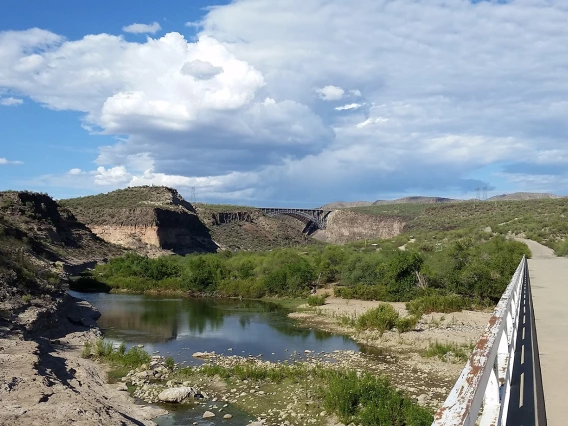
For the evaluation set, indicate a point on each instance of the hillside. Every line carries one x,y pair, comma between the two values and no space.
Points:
157,220
148,219
39,241
345,205
520,196
417,200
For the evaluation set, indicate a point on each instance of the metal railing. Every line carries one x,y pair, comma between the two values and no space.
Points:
482,392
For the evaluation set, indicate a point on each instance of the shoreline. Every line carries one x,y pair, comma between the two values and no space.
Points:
44,379
44,375
431,378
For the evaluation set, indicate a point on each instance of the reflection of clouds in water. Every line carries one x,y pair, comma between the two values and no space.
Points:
179,327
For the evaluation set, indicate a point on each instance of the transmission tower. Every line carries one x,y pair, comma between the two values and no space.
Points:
477,193
193,195
484,193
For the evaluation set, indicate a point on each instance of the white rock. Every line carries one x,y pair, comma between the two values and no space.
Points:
228,416
208,415
177,394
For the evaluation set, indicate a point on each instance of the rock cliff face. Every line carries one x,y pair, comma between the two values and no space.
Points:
151,220
235,228
344,226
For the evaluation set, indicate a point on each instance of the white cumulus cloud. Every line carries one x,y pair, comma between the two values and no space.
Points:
330,93
152,28
449,88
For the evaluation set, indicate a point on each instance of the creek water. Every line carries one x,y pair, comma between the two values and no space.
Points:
178,327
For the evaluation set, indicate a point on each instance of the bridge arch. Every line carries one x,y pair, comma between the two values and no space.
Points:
313,218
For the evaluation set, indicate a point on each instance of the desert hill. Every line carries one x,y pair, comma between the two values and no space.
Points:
39,242
521,196
345,205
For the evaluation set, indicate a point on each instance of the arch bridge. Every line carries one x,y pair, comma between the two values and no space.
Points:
313,218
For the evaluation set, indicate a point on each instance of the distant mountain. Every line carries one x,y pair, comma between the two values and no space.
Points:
519,196
345,204
417,199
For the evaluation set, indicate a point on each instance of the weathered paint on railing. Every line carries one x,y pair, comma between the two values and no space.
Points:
483,388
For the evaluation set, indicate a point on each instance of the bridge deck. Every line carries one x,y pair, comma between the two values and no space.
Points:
549,282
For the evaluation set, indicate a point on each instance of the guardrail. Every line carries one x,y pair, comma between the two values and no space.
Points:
482,392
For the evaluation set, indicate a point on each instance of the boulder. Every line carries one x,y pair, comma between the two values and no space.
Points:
178,394
208,415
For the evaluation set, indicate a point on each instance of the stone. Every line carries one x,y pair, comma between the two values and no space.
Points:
208,415
228,416
122,387
423,399
178,394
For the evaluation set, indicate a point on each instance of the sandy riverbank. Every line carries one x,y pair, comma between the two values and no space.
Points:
44,380
427,379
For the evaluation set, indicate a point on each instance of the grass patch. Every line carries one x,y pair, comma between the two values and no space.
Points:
117,356
446,351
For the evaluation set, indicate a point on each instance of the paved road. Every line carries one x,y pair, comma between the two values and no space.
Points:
549,283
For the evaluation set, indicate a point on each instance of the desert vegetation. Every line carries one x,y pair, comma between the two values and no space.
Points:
465,273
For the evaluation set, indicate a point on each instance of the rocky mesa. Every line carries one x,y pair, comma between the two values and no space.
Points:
148,219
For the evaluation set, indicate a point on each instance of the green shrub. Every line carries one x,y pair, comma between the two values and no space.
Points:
384,317
369,400
561,248
406,324
362,292
314,300
169,363
437,303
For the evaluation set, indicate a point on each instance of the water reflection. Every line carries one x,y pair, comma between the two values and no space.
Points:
183,326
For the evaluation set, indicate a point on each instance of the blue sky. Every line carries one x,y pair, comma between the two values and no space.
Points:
292,103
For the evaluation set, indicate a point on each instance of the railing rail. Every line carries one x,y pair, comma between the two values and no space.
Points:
482,391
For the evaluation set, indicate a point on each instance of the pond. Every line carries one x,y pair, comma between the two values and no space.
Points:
178,327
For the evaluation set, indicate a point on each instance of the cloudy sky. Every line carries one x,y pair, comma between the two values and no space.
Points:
292,102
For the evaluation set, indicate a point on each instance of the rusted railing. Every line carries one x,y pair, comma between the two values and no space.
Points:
482,392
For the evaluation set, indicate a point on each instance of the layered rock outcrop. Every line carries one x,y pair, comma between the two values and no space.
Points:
345,225
151,220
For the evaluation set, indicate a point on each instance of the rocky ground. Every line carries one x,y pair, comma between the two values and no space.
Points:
430,379
44,380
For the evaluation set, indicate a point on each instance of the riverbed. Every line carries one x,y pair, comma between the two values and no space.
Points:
179,327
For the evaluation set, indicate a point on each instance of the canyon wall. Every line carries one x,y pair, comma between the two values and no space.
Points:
344,226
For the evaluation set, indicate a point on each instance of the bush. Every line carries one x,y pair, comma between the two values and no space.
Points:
406,324
169,363
437,303
362,292
561,248
314,300
384,317
370,400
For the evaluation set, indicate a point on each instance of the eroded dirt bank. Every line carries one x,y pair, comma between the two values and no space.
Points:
44,380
